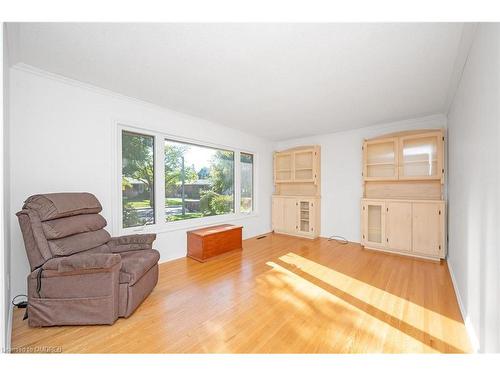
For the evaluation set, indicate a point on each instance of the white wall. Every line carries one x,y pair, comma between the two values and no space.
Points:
341,167
473,131
4,202
62,137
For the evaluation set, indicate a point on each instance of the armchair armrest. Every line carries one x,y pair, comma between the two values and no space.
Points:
131,242
82,262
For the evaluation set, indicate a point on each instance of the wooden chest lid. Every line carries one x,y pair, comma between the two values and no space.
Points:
214,229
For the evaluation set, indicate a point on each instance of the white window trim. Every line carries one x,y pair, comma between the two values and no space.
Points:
160,225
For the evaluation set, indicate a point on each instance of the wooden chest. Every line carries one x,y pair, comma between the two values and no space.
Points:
208,242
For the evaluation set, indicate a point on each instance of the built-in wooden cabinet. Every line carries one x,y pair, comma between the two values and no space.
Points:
296,199
411,227
402,209
297,216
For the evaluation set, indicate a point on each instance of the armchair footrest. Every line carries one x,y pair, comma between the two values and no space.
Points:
44,312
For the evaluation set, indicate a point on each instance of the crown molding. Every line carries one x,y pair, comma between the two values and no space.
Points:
30,69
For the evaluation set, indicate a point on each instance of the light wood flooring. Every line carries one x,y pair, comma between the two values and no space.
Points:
280,294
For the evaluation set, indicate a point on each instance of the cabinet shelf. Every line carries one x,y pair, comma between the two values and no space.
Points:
370,164
420,161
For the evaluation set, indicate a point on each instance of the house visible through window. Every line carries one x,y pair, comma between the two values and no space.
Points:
246,184
137,179
199,181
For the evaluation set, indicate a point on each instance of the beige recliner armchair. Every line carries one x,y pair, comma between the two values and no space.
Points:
79,274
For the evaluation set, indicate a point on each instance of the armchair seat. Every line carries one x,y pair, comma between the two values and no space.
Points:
79,274
136,264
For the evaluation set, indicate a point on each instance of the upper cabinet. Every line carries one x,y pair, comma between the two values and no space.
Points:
414,155
300,165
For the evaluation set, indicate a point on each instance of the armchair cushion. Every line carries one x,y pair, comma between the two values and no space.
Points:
56,205
136,263
64,227
131,242
78,242
84,261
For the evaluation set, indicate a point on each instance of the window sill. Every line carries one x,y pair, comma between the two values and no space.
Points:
187,224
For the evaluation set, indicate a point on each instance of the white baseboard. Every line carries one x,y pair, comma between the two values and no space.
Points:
471,332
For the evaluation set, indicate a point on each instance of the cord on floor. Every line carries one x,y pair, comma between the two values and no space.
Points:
21,304
341,240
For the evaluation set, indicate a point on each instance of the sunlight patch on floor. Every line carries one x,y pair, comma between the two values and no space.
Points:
379,298
372,304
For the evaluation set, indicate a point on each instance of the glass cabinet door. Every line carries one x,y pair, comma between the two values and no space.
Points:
304,166
373,223
420,157
304,216
283,164
380,158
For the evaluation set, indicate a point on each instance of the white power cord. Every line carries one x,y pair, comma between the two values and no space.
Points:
341,240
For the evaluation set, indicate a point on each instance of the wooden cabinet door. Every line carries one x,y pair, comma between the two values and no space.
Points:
428,228
278,214
398,225
290,215
373,213
380,158
421,156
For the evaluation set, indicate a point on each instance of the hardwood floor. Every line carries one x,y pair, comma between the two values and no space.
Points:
280,295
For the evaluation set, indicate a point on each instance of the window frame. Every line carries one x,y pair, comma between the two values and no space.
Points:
155,218
252,209
161,225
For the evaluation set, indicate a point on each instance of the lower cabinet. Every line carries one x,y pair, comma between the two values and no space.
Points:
404,226
298,216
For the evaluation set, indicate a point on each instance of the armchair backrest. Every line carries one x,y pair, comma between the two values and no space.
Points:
61,224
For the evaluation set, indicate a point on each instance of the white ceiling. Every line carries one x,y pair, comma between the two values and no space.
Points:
277,81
